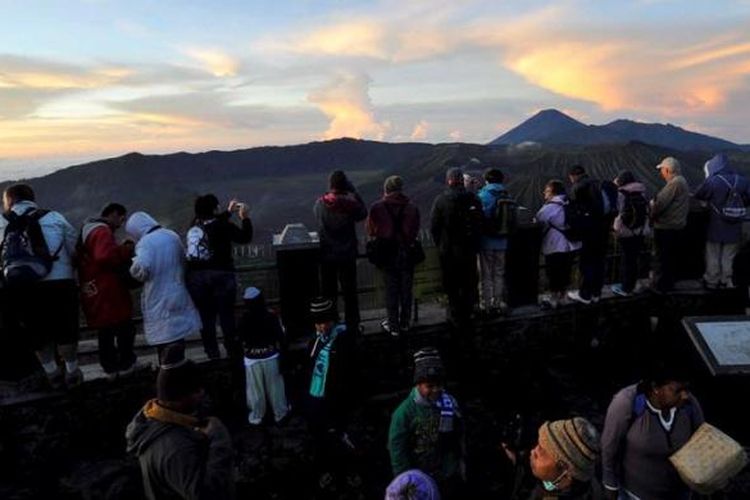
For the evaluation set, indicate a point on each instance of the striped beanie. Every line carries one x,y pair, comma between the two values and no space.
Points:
428,367
323,309
575,442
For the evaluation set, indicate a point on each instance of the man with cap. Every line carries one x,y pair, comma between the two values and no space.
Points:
337,213
183,453
427,430
669,212
330,380
263,341
394,219
456,226
562,463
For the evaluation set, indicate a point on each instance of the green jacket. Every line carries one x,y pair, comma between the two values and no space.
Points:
414,440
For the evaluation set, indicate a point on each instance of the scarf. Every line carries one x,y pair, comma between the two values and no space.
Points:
322,362
445,405
154,411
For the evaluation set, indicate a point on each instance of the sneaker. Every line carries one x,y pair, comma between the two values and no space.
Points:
710,286
74,378
576,295
112,376
617,289
56,380
729,285
386,326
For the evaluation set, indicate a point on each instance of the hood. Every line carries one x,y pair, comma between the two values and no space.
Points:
21,206
716,165
396,198
339,202
139,224
89,226
493,188
633,187
143,430
558,198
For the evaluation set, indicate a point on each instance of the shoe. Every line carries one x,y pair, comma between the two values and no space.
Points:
617,289
74,378
710,286
729,285
254,423
135,367
56,380
404,328
386,326
347,441
112,376
595,299
576,295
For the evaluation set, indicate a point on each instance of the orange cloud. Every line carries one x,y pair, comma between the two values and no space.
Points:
214,61
420,131
353,38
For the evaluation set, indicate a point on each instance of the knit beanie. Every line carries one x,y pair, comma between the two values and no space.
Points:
428,367
323,309
575,442
392,184
412,485
454,176
178,377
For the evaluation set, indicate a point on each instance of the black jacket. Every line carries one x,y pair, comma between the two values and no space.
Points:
260,329
336,215
456,222
221,233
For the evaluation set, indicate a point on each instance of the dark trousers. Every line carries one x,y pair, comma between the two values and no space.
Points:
630,252
667,249
179,349
399,282
116,346
558,267
460,284
344,273
214,294
592,262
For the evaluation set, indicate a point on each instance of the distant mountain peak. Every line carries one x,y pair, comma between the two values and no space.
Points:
540,126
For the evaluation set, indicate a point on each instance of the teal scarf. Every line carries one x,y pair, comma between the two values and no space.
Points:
323,362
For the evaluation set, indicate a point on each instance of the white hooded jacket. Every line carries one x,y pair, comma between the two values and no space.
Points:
168,311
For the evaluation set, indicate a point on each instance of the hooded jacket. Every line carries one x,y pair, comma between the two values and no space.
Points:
168,312
58,233
336,214
381,222
488,196
179,461
102,272
221,233
621,230
715,190
552,218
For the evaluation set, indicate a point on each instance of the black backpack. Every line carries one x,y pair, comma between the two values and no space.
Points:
503,217
634,213
579,221
24,253
470,223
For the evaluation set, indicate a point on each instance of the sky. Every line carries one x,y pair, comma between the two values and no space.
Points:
88,79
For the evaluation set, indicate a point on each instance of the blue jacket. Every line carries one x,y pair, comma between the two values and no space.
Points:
714,190
488,195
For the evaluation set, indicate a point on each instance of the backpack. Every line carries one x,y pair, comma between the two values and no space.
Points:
503,216
733,209
579,221
634,213
198,244
24,253
609,197
470,221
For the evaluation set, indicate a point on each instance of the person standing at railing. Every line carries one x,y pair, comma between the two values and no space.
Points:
394,220
631,228
105,292
211,277
726,192
159,263
456,227
337,213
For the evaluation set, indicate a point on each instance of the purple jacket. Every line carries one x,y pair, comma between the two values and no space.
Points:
552,218
714,191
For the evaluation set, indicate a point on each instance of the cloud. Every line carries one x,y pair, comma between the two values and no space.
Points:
420,131
214,61
351,38
346,102
24,72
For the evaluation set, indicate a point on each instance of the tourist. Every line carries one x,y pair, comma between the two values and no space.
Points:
631,227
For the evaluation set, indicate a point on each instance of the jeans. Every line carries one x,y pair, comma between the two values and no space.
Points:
120,357
344,273
631,251
399,282
214,293
719,262
492,267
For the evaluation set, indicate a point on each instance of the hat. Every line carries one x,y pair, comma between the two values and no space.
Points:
575,442
178,377
454,176
669,162
323,309
393,183
412,485
251,293
428,367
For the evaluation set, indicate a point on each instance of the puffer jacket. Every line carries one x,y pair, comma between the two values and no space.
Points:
715,190
337,214
168,312
59,235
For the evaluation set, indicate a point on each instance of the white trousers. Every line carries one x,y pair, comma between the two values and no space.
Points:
263,382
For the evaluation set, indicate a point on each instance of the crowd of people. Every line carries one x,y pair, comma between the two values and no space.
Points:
187,285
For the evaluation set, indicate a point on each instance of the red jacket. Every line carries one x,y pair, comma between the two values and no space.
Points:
102,271
380,223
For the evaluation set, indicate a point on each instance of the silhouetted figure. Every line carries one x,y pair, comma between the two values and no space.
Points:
337,213
103,266
631,227
394,221
726,193
37,254
211,278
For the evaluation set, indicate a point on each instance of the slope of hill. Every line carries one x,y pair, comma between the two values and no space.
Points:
551,127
